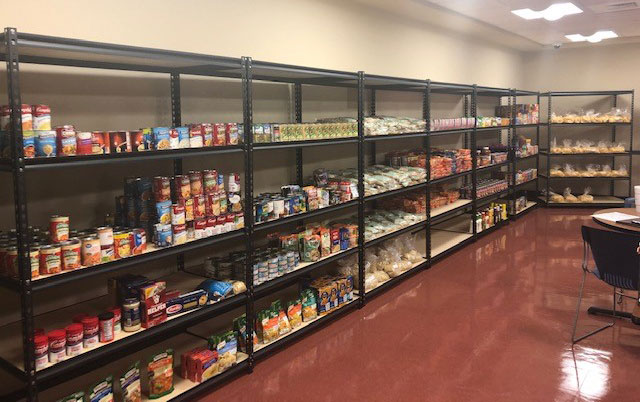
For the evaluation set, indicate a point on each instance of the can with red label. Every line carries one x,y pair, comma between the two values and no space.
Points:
138,241
41,117
196,137
181,187
70,254
84,145
119,142
59,228
57,345
177,214
34,261
27,118
161,188
219,135
99,142
188,209
179,234
207,133
211,225
66,140
121,244
200,228
174,138
195,179
11,261
210,180
231,134
50,259
199,206
74,339
220,224
213,204
91,253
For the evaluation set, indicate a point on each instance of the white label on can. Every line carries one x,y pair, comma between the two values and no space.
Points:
107,254
73,350
41,361
90,342
57,355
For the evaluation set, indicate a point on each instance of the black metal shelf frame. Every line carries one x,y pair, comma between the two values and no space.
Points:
615,96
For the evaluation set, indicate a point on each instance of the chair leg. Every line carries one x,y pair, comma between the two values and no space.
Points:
575,340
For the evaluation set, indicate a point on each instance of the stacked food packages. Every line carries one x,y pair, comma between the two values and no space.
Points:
325,129
488,156
448,162
380,178
615,115
382,222
452,124
590,170
387,125
567,197
492,121
440,197
490,216
523,176
182,207
485,188
414,202
524,113
413,158
586,146
40,140
525,148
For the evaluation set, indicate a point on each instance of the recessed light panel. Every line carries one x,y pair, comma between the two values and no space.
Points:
595,38
552,13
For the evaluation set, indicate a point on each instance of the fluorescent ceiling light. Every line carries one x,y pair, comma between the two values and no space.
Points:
595,38
552,13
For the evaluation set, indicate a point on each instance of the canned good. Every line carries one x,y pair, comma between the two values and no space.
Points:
119,142
161,188
138,241
210,181
162,234
211,225
183,137
59,228
161,138
11,261
99,142
117,317
207,133
220,225
28,145
45,143
27,117
179,234
196,136
188,210
213,204
50,259
147,138
174,141
57,345
70,254
177,214
90,331
84,145
107,253
231,134
41,117
219,135
34,261
66,140
199,206
121,244
136,138
105,234
191,231
91,253
106,327
200,227
74,334
182,187
41,353
195,179
163,212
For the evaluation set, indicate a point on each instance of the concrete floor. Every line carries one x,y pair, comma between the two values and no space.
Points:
492,322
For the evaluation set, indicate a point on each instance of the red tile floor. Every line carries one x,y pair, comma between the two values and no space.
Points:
491,322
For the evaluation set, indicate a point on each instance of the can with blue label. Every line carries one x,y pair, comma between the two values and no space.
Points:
163,211
147,139
45,143
161,138
183,137
162,234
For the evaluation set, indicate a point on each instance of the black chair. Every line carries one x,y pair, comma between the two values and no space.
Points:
617,264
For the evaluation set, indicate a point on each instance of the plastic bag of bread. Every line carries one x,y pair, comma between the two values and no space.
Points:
371,261
606,171
586,196
589,147
554,197
578,147
556,170
603,147
568,197
617,148
389,264
381,276
566,147
555,149
556,118
621,171
591,171
570,170
370,281
625,115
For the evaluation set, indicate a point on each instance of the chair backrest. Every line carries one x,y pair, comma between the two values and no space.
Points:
615,256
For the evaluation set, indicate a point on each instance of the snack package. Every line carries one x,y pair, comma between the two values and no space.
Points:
586,196
309,306
130,384
204,364
269,324
216,289
556,170
294,313
160,374
227,347
101,391
75,397
371,281
606,171
568,197
566,147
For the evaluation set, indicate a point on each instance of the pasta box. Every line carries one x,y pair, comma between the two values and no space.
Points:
179,303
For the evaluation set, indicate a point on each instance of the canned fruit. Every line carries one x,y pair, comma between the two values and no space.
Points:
91,254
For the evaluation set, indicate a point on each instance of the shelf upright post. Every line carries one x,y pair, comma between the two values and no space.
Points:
298,111
372,112
548,175
361,188
247,121
426,115
176,121
20,206
466,114
538,144
511,154
630,151
612,184
474,160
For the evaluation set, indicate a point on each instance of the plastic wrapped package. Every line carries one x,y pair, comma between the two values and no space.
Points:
566,147
603,147
568,197
570,170
586,196
591,171
556,170
617,148
555,149
554,197
621,171
370,281
606,171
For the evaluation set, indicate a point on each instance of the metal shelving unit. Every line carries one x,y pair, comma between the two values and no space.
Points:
531,195
608,200
442,225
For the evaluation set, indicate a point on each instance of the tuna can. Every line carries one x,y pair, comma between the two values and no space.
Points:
207,133
74,334
45,143
121,244
90,331
174,141
34,261
84,143
59,228
57,345
41,117
119,142
137,141
99,142
91,254
161,188
183,137
138,240
70,254
161,138
177,214
66,140
162,234
163,212
196,136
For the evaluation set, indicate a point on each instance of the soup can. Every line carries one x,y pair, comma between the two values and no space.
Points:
196,137
105,234
177,214
161,188
119,142
84,144
138,241
99,142
59,228
200,228
121,244
195,179
211,226
181,187
45,143
183,137
174,140
231,134
213,204
66,140
41,117
91,253
219,134
70,250
207,133
199,206
188,210
210,181
50,259
34,261
161,138
11,261
163,212
179,234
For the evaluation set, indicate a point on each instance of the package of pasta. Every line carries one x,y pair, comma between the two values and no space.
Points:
130,384
75,397
227,347
294,313
283,322
101,391
160,374
270,330
309,306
